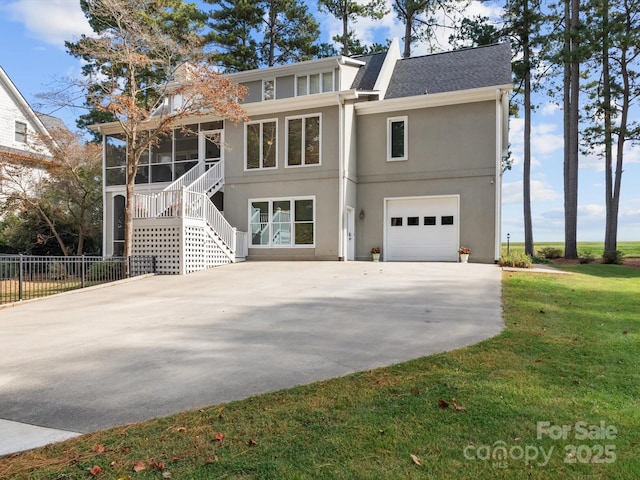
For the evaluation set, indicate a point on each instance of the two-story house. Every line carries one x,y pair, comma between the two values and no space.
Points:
340,155
25,139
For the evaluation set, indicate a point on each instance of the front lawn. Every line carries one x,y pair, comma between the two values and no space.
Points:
556,395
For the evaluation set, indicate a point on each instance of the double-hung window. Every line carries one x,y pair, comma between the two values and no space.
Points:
397,138
303,140
21,132
282,222
261,144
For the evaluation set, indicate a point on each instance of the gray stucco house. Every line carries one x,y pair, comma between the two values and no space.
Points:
340,155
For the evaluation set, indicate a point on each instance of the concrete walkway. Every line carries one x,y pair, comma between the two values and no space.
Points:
161,345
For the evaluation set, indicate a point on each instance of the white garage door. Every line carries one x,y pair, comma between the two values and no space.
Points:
422,229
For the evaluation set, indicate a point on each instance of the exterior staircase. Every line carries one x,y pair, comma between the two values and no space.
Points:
182,227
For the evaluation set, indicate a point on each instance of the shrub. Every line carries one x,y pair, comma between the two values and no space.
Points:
518,260
99,271
540,260
586,257
612,257
550,252
57,271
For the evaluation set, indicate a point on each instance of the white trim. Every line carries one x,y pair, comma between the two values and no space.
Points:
261,122
303,150
405,146
417,197
430,100
270,201
389,64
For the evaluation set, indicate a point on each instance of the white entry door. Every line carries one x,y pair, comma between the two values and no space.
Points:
422,229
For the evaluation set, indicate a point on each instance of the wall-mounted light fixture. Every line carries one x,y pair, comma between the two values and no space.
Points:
362,214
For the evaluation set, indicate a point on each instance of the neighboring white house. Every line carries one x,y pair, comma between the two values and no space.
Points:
24,134
340,155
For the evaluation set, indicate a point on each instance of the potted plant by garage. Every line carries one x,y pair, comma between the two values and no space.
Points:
375,254
464,254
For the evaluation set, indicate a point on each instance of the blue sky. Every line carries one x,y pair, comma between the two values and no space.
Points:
33,34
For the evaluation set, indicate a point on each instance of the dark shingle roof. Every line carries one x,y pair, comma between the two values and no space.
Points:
368,74
451,71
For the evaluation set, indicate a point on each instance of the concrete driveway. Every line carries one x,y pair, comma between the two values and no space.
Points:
156,346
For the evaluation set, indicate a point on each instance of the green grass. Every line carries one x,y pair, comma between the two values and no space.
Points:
569,353
630,249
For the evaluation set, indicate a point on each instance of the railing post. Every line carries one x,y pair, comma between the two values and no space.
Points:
130,260
83,272
20,277
183,206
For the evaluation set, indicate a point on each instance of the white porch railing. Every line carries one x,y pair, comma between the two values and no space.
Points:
188,178
167,203
210,181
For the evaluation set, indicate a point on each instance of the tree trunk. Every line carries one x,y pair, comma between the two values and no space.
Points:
272,33
407,37
345,33
526,176
609,235
571,151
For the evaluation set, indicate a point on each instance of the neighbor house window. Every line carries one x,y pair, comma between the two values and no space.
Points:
303,140
397,135
261,144
314,83
282,222
268,89
21,132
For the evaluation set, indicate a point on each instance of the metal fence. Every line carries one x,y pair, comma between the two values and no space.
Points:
23,277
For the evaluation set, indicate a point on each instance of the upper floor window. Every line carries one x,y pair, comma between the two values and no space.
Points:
21,132
314,83
261,144
397,138
303,140
268,89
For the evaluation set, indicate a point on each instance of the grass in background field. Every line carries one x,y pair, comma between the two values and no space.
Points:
630,249
569,353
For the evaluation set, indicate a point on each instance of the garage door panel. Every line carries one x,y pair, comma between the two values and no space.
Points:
422,229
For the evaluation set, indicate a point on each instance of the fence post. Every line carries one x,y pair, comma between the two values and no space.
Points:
20,277
130,260
83,272
153,263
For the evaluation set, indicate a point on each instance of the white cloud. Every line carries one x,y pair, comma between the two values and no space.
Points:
550,108
52,21
540,192
594,160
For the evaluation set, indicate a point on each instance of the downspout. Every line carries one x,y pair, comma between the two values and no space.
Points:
341,179
104,194
500,97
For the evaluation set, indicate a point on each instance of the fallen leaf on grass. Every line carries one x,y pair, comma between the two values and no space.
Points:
415,459
537,360
443,404
156,465
98,448
252,443
415,391
211,460
95,470
456,407
166,474
219,436
542,310
139,466
181,429
625,332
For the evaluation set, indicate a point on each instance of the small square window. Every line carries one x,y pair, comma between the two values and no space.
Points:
21,132
446,220
268,90
413,221
396,221
429,220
